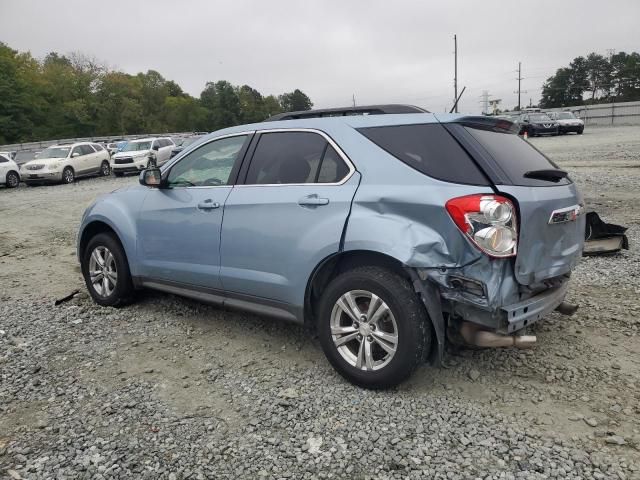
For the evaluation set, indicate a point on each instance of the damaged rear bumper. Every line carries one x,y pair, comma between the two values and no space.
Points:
500,304
527,312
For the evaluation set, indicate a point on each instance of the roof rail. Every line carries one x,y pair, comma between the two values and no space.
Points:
346,111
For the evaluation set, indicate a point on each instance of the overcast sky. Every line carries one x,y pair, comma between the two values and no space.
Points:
381,51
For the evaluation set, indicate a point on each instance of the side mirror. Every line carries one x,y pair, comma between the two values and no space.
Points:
151,177
75,154
156,147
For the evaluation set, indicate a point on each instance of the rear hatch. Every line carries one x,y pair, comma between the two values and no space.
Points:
551,210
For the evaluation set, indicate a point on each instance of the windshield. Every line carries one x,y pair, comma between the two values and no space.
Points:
136,146
566,116
539,117
54,152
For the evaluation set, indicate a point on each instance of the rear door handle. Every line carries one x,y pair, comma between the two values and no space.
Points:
208,205
313,201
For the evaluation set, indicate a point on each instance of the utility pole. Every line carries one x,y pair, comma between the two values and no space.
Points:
519,80
354,100
455,72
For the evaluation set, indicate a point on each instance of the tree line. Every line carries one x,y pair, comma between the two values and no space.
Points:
594,79
67,96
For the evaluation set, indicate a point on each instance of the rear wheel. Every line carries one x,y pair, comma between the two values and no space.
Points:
68,176
13,180
372,327
105,169
106,271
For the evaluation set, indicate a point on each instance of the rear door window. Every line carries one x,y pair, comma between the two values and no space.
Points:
284,158
515,156
429,149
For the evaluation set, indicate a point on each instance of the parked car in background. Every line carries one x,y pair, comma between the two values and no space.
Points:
139,154
9,172
11,155
112,148
383,230
567,122
537,124
184,144
66,162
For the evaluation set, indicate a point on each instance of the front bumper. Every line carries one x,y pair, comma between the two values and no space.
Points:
544,130
135,166
571,128
40,176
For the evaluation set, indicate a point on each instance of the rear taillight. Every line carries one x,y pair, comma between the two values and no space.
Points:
488,220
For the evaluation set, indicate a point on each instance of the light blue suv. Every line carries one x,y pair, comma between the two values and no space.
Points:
388,228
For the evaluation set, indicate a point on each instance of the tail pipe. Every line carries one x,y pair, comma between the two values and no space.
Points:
474,335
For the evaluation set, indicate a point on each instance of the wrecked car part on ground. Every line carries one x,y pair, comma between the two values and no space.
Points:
603,238
383,230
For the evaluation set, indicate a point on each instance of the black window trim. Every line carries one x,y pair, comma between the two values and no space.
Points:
166,169
249,159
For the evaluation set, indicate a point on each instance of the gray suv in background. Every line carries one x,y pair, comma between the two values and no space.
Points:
388,228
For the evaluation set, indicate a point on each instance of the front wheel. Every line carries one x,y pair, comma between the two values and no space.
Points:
13,180
105,169
373,327
68,176
106,271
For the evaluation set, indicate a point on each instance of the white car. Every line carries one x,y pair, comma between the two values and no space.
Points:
567,122
140,154
66,162
9,172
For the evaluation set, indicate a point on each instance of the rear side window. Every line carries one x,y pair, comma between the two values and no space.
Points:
295,158
86,149
430,149
97,147
515,156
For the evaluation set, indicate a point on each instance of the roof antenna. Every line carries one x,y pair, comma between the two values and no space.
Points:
455,105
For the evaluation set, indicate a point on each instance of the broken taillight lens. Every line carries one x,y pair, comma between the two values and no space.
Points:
489,221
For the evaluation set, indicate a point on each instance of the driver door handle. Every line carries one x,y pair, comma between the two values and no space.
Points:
208,205
313,201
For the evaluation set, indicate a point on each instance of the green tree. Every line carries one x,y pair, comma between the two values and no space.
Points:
295,101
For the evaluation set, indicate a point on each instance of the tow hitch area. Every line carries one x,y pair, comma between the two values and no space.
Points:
603,238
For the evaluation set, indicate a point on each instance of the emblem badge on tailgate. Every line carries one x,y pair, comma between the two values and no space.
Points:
568,214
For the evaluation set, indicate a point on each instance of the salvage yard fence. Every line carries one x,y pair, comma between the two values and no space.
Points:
622,113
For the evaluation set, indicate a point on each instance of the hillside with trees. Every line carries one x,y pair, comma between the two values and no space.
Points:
594,79
66,96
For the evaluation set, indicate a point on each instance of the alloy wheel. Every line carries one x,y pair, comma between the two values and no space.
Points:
68,175
364,330
103,271
12,180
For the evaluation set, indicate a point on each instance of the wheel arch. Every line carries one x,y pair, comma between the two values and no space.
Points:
340,262
94,228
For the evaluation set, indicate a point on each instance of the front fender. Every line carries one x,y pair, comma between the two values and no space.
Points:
119,210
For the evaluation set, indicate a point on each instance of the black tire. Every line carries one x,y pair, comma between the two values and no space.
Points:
580,131
105,169
118,174
123,291
413,325
68,175
12,179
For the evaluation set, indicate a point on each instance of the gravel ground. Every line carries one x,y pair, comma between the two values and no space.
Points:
169,388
